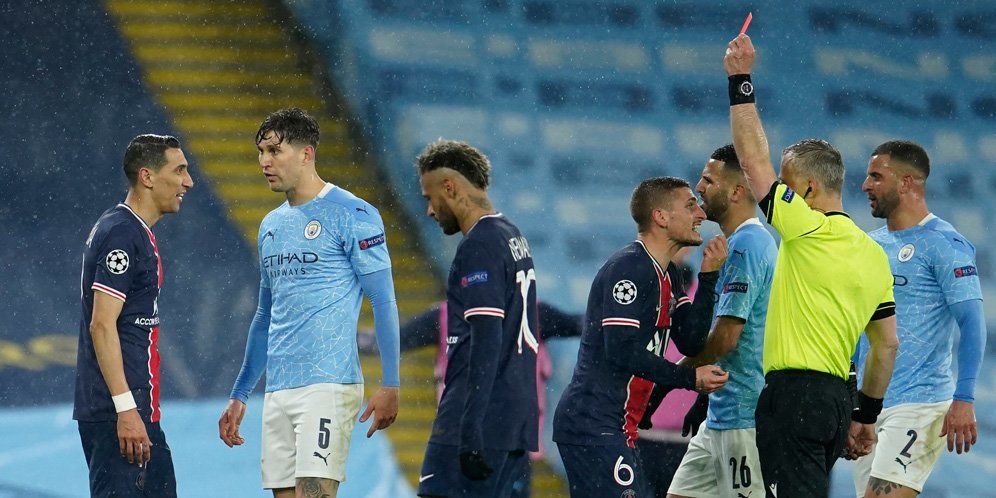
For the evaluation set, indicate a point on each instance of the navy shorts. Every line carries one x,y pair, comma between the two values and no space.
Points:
441,475
600,471
112,475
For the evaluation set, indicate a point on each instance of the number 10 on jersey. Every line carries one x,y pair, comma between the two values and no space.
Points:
526,279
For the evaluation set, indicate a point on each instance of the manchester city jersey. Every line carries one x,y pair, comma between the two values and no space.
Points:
743,287
310,256
492,275
121,260
933,267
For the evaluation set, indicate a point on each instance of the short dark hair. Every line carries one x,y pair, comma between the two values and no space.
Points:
291,125
728,156
652,193
458,156
906,152
146,151
819,159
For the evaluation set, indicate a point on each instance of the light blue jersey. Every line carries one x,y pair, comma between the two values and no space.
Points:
743,287
310,258
934,268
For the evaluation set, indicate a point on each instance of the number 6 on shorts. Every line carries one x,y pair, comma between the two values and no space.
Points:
619,471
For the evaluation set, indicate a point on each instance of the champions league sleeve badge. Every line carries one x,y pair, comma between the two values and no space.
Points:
116,261
624,292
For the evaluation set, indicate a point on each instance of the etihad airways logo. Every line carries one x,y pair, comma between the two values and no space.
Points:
280,265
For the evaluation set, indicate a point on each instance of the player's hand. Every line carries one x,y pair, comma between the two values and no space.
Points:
384,407
228,424
133,440
740,56
959,426
695,416
656,398
709,378
714,254
860,439
473,466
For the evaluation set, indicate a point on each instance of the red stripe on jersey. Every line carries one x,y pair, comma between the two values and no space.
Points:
637,396
108,290
500,313
629,322
663,306
155,249
154,372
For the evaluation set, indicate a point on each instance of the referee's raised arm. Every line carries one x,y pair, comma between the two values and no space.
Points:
749,139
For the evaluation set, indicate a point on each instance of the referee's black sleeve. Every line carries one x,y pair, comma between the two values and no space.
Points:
884,310
768,203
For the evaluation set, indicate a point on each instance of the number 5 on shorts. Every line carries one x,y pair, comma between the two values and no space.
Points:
324,434
619,473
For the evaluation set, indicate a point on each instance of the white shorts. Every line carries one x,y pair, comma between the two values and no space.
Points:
306,432
907,445
719,463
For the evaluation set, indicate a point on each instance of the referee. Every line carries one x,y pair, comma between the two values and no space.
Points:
831,281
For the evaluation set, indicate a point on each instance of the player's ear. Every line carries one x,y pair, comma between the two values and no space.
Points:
309,153
739,192
145,177
449,187
906,183
660,217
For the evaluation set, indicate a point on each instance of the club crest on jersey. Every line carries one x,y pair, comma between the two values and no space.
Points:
312,230
376,240
478,277
116,261
906,253
965,271
788,195
624,292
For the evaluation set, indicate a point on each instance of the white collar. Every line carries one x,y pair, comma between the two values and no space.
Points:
325,190
748,221
926,219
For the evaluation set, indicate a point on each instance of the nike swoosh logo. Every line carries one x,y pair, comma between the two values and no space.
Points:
422,478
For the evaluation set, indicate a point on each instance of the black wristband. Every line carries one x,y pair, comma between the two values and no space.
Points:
741,89
868,409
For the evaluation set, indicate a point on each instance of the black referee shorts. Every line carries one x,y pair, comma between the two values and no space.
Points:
802,420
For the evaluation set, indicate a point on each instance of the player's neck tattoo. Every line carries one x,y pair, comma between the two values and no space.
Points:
481,202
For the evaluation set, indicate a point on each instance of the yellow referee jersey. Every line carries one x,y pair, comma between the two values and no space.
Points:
830,280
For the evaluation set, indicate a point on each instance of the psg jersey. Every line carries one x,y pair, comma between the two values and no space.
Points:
121,260
492,275
603,404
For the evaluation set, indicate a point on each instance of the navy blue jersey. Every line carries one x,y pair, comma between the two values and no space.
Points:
632,306
121,260
492,275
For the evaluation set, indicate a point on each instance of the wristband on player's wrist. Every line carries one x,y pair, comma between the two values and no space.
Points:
867,410
124,402
741,89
